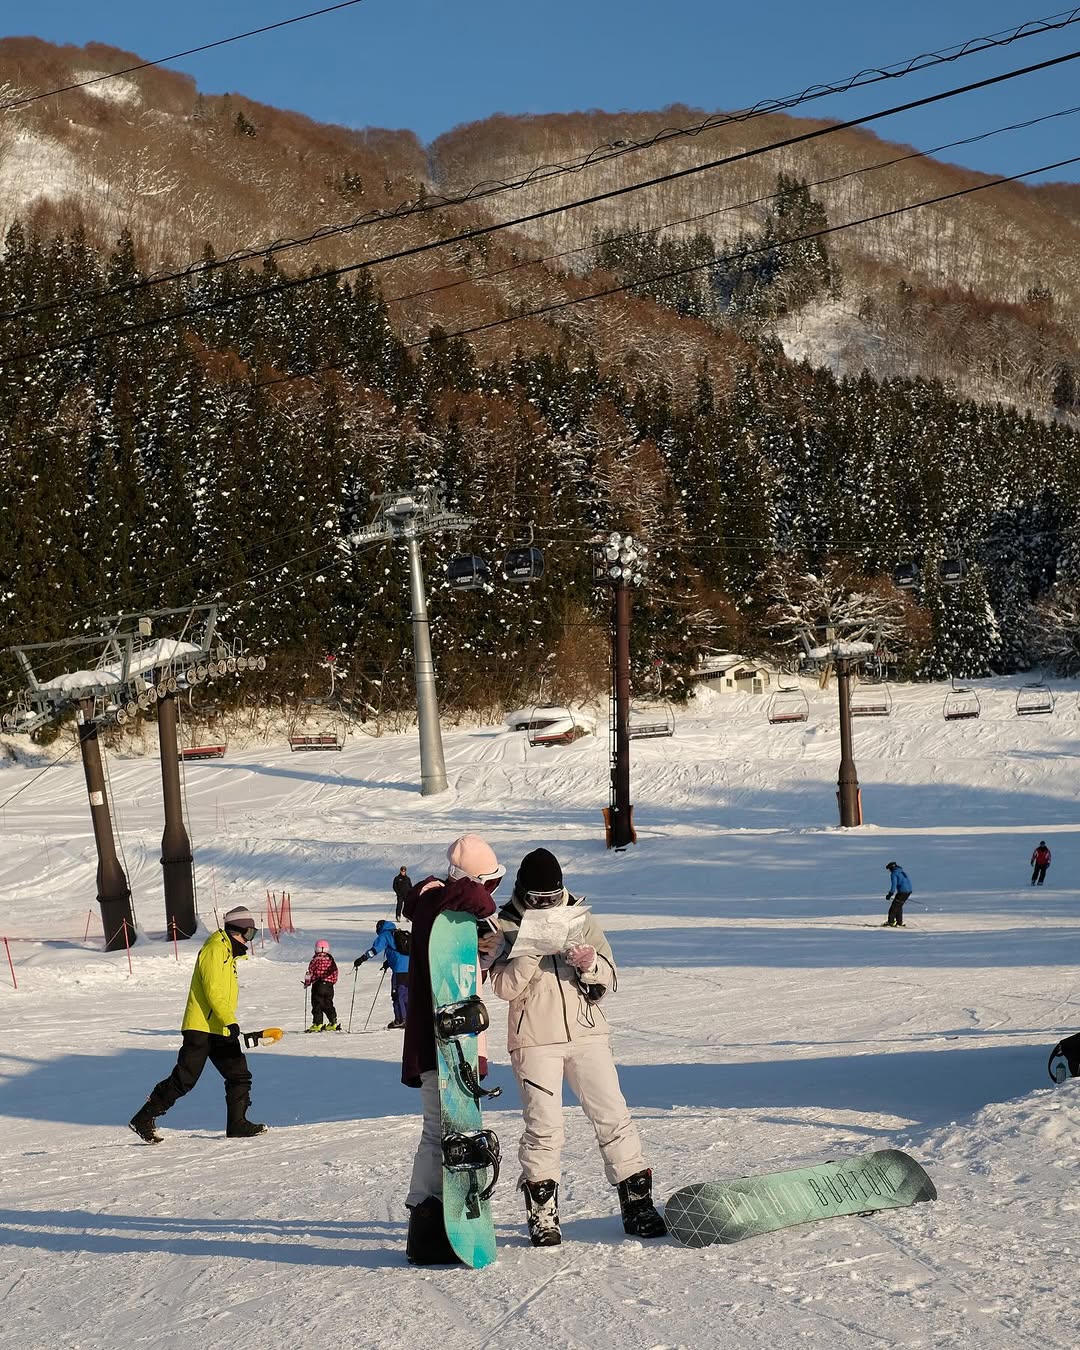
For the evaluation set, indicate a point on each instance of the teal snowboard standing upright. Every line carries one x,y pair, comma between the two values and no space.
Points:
470,1153
728,1211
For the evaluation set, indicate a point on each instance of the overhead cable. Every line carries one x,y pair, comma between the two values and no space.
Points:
190,51
600,154
478,231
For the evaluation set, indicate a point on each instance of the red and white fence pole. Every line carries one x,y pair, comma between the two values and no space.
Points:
11,964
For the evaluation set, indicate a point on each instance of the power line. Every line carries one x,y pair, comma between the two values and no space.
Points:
670,273
292,283
644,231
51,765
176,56
600,154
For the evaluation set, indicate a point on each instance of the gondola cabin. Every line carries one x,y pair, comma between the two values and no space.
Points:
467,572
951,570
523,565
906,576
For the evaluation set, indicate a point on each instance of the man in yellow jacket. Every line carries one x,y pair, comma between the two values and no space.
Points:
210,1032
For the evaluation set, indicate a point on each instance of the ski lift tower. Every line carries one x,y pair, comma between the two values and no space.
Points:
403,518
131,673
845,655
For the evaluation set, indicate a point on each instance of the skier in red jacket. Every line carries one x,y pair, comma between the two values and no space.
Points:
1040,861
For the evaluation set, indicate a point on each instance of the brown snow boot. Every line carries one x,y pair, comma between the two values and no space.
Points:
144,1123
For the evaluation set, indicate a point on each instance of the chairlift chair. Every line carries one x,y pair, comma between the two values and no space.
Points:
553,724
328,732
523,565
1034,699
961,704
871,698
468,572
788,705
651,721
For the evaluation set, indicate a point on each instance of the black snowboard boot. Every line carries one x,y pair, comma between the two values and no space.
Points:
542,1203
244,1129
427,1243
639,1215
144,1123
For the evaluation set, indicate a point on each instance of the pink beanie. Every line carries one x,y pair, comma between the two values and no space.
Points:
471,856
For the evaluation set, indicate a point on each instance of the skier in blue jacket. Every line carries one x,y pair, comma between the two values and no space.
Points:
388,944
899,892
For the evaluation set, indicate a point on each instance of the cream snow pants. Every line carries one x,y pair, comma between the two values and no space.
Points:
590,1071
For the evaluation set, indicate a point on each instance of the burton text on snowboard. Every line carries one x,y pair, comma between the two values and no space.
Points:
470,1153
728,1211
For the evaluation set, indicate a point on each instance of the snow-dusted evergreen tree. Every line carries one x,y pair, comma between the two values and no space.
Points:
966,638
1053,630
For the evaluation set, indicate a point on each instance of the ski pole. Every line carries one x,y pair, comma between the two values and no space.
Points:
375,999
352,1001
305,1005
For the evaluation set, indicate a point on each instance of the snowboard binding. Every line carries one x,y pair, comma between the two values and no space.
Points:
473,1151
467,1018
469,1080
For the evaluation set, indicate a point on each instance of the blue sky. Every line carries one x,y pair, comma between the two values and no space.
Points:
430,64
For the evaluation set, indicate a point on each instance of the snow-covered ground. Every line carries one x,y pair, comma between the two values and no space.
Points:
760,1022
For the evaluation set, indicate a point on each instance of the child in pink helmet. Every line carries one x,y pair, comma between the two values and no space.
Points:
322,973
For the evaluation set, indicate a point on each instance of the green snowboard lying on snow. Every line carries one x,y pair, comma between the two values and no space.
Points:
728,1211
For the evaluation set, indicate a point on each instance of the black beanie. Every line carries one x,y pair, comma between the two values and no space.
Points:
539,871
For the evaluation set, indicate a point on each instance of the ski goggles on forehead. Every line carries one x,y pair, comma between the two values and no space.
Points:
543,899
488,879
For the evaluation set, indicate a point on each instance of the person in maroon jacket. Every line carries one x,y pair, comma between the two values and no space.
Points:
473,874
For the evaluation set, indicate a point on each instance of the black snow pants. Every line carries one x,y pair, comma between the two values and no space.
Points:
225,1054
1038,876
322,1001
896,909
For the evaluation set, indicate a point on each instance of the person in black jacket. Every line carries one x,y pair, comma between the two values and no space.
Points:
402,887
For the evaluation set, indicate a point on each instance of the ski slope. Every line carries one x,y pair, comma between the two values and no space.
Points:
762,1020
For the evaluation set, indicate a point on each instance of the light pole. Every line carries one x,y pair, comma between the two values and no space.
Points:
621,563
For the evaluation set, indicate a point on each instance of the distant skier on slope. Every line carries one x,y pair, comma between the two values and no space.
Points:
556,1027
402,887
1040,861
473,873
210,1032
899,893
392,944
322,975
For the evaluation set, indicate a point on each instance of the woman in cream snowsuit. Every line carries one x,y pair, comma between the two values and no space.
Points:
556,1025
